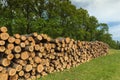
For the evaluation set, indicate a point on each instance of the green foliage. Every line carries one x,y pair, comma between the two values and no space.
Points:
54,17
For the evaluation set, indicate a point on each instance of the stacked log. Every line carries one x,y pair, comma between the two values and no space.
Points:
27,57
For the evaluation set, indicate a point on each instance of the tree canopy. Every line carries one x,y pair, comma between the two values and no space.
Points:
57,18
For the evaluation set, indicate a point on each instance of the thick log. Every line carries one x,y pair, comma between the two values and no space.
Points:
17,41
2,48
37,47
33,73
27,75
11,39
4,36
2,42
10,56
27,42
17,36
22,45
17,49
5,62
37,59
32,54
23,37
11,71
24,55
33,77
3,76
40,68
21,73
1,68
18,67
43,73
15,77
28,68
29,48
3,29
17,55
10,46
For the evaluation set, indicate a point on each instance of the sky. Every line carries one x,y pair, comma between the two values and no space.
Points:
106,11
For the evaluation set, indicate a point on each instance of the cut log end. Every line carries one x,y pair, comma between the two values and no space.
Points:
11,71
4,36
24,55
5,62
40,68
3,76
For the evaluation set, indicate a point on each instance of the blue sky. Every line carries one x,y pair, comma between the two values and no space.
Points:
106,11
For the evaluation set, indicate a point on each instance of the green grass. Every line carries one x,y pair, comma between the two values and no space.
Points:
102,68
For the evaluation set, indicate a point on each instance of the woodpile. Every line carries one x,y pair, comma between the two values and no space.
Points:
27,57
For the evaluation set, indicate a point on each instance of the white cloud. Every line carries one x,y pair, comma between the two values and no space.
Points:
106,11
115,30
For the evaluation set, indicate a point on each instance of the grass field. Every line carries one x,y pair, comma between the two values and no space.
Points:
102,68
